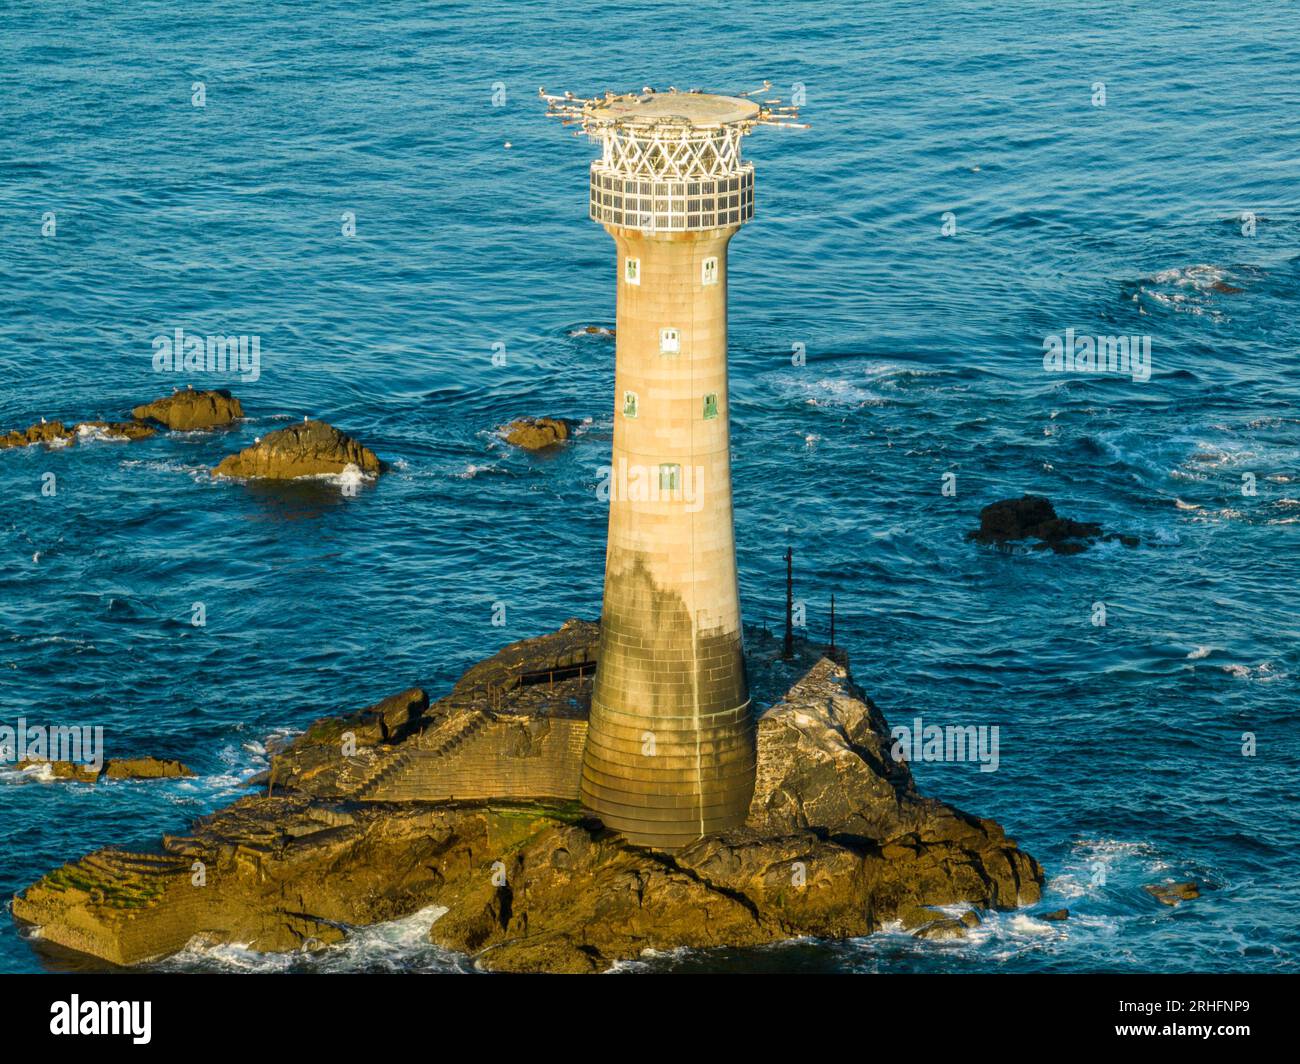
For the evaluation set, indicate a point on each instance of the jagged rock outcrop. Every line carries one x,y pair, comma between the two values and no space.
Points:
54,432
837,843
1034,517
309,449
187,410
43,432
536,433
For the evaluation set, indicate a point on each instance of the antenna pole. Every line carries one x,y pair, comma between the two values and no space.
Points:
788,653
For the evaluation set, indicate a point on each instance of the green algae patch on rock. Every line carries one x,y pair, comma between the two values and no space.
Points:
536,433
188,410
312,448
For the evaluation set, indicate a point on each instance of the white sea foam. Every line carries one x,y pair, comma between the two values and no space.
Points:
1261,673
1199,652
398,945
97,434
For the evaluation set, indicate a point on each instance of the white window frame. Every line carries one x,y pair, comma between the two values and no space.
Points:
709,270
630,400
670,341
632,270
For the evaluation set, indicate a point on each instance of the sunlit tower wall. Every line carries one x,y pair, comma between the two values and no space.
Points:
670,750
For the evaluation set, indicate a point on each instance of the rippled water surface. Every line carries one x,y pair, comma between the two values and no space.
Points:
1121,746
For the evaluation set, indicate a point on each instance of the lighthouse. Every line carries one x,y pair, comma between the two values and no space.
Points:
670,747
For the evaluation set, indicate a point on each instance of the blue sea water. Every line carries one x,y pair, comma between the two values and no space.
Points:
1121,757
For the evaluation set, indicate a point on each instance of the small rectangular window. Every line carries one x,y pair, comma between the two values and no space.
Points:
629,404
710,406
709,271
668,342
670,477
632,271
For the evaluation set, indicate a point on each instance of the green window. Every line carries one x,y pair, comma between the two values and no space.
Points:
669,477
710,406
629,404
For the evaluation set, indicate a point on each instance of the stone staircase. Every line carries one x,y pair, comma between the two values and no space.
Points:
392,771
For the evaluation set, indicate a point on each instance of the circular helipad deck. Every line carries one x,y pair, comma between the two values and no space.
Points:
697,109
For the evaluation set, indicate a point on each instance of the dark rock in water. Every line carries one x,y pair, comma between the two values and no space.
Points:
430,805
188,410
1055,915
145,768
309,449
1034,517
1173,893
45,432
536,433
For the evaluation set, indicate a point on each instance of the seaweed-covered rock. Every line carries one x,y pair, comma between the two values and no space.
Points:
1034,517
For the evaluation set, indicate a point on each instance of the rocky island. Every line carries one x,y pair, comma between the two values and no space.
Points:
470,803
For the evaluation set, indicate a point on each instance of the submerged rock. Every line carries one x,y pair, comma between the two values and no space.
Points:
1055,915
1173,893
188,410
536,433
377,815
308,449
1034,517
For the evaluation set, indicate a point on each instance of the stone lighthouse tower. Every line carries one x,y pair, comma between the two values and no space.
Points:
670,750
